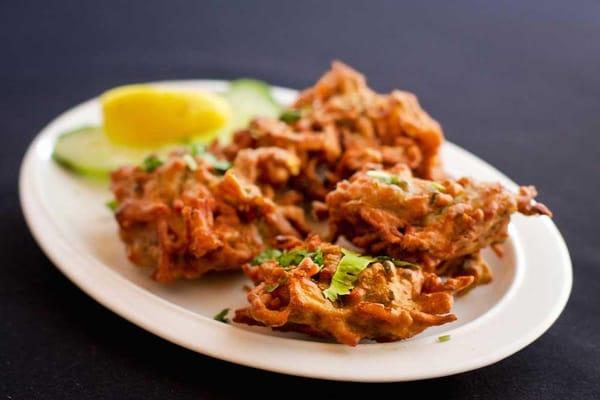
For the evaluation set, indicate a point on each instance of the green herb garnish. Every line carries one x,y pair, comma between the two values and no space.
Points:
443,338
151,163
112,205
271,287
318,257
190,162
268,254
398,263
390,179
221,166
292,257
438,186
348,270
196,149
221,316
295,257
289,258
290,116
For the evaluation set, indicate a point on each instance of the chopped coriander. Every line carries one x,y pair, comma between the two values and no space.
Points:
317,257
268,254
271,287
221,166
295,257
290,116
401,183
151,163
398,263
190,162
196,149
221,316
348,270
292,257
381,176
444,338
390,179
438,186
112,205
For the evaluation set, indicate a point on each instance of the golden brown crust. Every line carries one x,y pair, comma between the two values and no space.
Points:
344,127
184,223
386,304
441,226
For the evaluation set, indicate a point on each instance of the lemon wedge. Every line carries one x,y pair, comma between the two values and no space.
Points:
144,116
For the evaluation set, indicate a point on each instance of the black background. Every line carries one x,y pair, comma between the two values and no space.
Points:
517,83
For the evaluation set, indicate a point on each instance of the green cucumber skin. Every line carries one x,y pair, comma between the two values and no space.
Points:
94,173
255,85
241,88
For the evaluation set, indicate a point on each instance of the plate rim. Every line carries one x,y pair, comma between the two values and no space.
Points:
38,222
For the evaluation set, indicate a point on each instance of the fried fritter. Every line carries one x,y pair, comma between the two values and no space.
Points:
439,225
183,219
341,126
387,303
368,162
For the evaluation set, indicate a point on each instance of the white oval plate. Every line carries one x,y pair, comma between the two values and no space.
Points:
69,220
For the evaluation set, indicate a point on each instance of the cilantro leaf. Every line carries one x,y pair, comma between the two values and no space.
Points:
190,162
295,257
289,258
388,178
221,316
151,162
381,176
221,166
350,266
268,254
318,257
196,149
292,257
438,186
271,287
444,338
112,205
290,116
398,263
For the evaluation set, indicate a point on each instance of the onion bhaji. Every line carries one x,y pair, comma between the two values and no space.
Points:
368,162
442,226
387,302
340,125
183,219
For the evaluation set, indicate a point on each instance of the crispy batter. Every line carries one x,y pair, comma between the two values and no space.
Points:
367,162
184,223
386,304
344,127
441,226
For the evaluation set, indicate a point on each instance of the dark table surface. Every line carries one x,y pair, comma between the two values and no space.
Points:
515,82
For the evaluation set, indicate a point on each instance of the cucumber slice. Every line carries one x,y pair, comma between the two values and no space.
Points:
87,151
249,98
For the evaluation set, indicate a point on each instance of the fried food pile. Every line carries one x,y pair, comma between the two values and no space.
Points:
387,302
369,165
183,219
340,126
442,226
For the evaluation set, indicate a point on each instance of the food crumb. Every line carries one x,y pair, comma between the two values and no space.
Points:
443,338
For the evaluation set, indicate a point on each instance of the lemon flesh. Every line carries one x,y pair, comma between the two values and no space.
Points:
147,117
